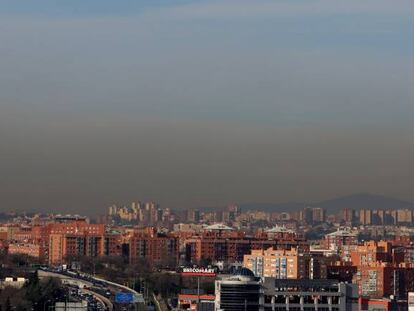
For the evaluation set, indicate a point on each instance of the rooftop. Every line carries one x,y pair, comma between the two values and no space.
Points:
218,227
343,232
279,229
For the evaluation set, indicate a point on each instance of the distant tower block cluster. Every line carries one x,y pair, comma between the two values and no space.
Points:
148,214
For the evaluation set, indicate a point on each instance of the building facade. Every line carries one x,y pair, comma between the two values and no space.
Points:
282,264
241,291
309,295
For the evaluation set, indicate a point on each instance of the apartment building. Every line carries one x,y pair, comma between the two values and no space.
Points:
282,264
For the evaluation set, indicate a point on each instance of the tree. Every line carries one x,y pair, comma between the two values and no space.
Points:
52,287
8,306
141,268
205,262
20,260
33,289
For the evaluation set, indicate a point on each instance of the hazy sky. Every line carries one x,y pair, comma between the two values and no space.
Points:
204,103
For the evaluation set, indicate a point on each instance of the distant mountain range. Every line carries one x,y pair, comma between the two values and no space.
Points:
365,201
354,201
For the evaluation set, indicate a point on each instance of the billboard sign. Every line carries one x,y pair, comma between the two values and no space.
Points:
208,272
124,298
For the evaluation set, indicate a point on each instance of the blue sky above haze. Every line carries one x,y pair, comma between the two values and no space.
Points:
115,68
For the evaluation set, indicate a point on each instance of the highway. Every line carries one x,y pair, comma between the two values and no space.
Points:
105,301
84,285
93,283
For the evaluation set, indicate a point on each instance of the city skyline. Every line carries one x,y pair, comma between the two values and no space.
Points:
358,201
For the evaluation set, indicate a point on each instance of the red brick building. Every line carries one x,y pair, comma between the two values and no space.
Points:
159,249
221,243
29,249
379,280
371,252
75,239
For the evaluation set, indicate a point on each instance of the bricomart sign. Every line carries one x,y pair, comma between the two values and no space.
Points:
198,272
